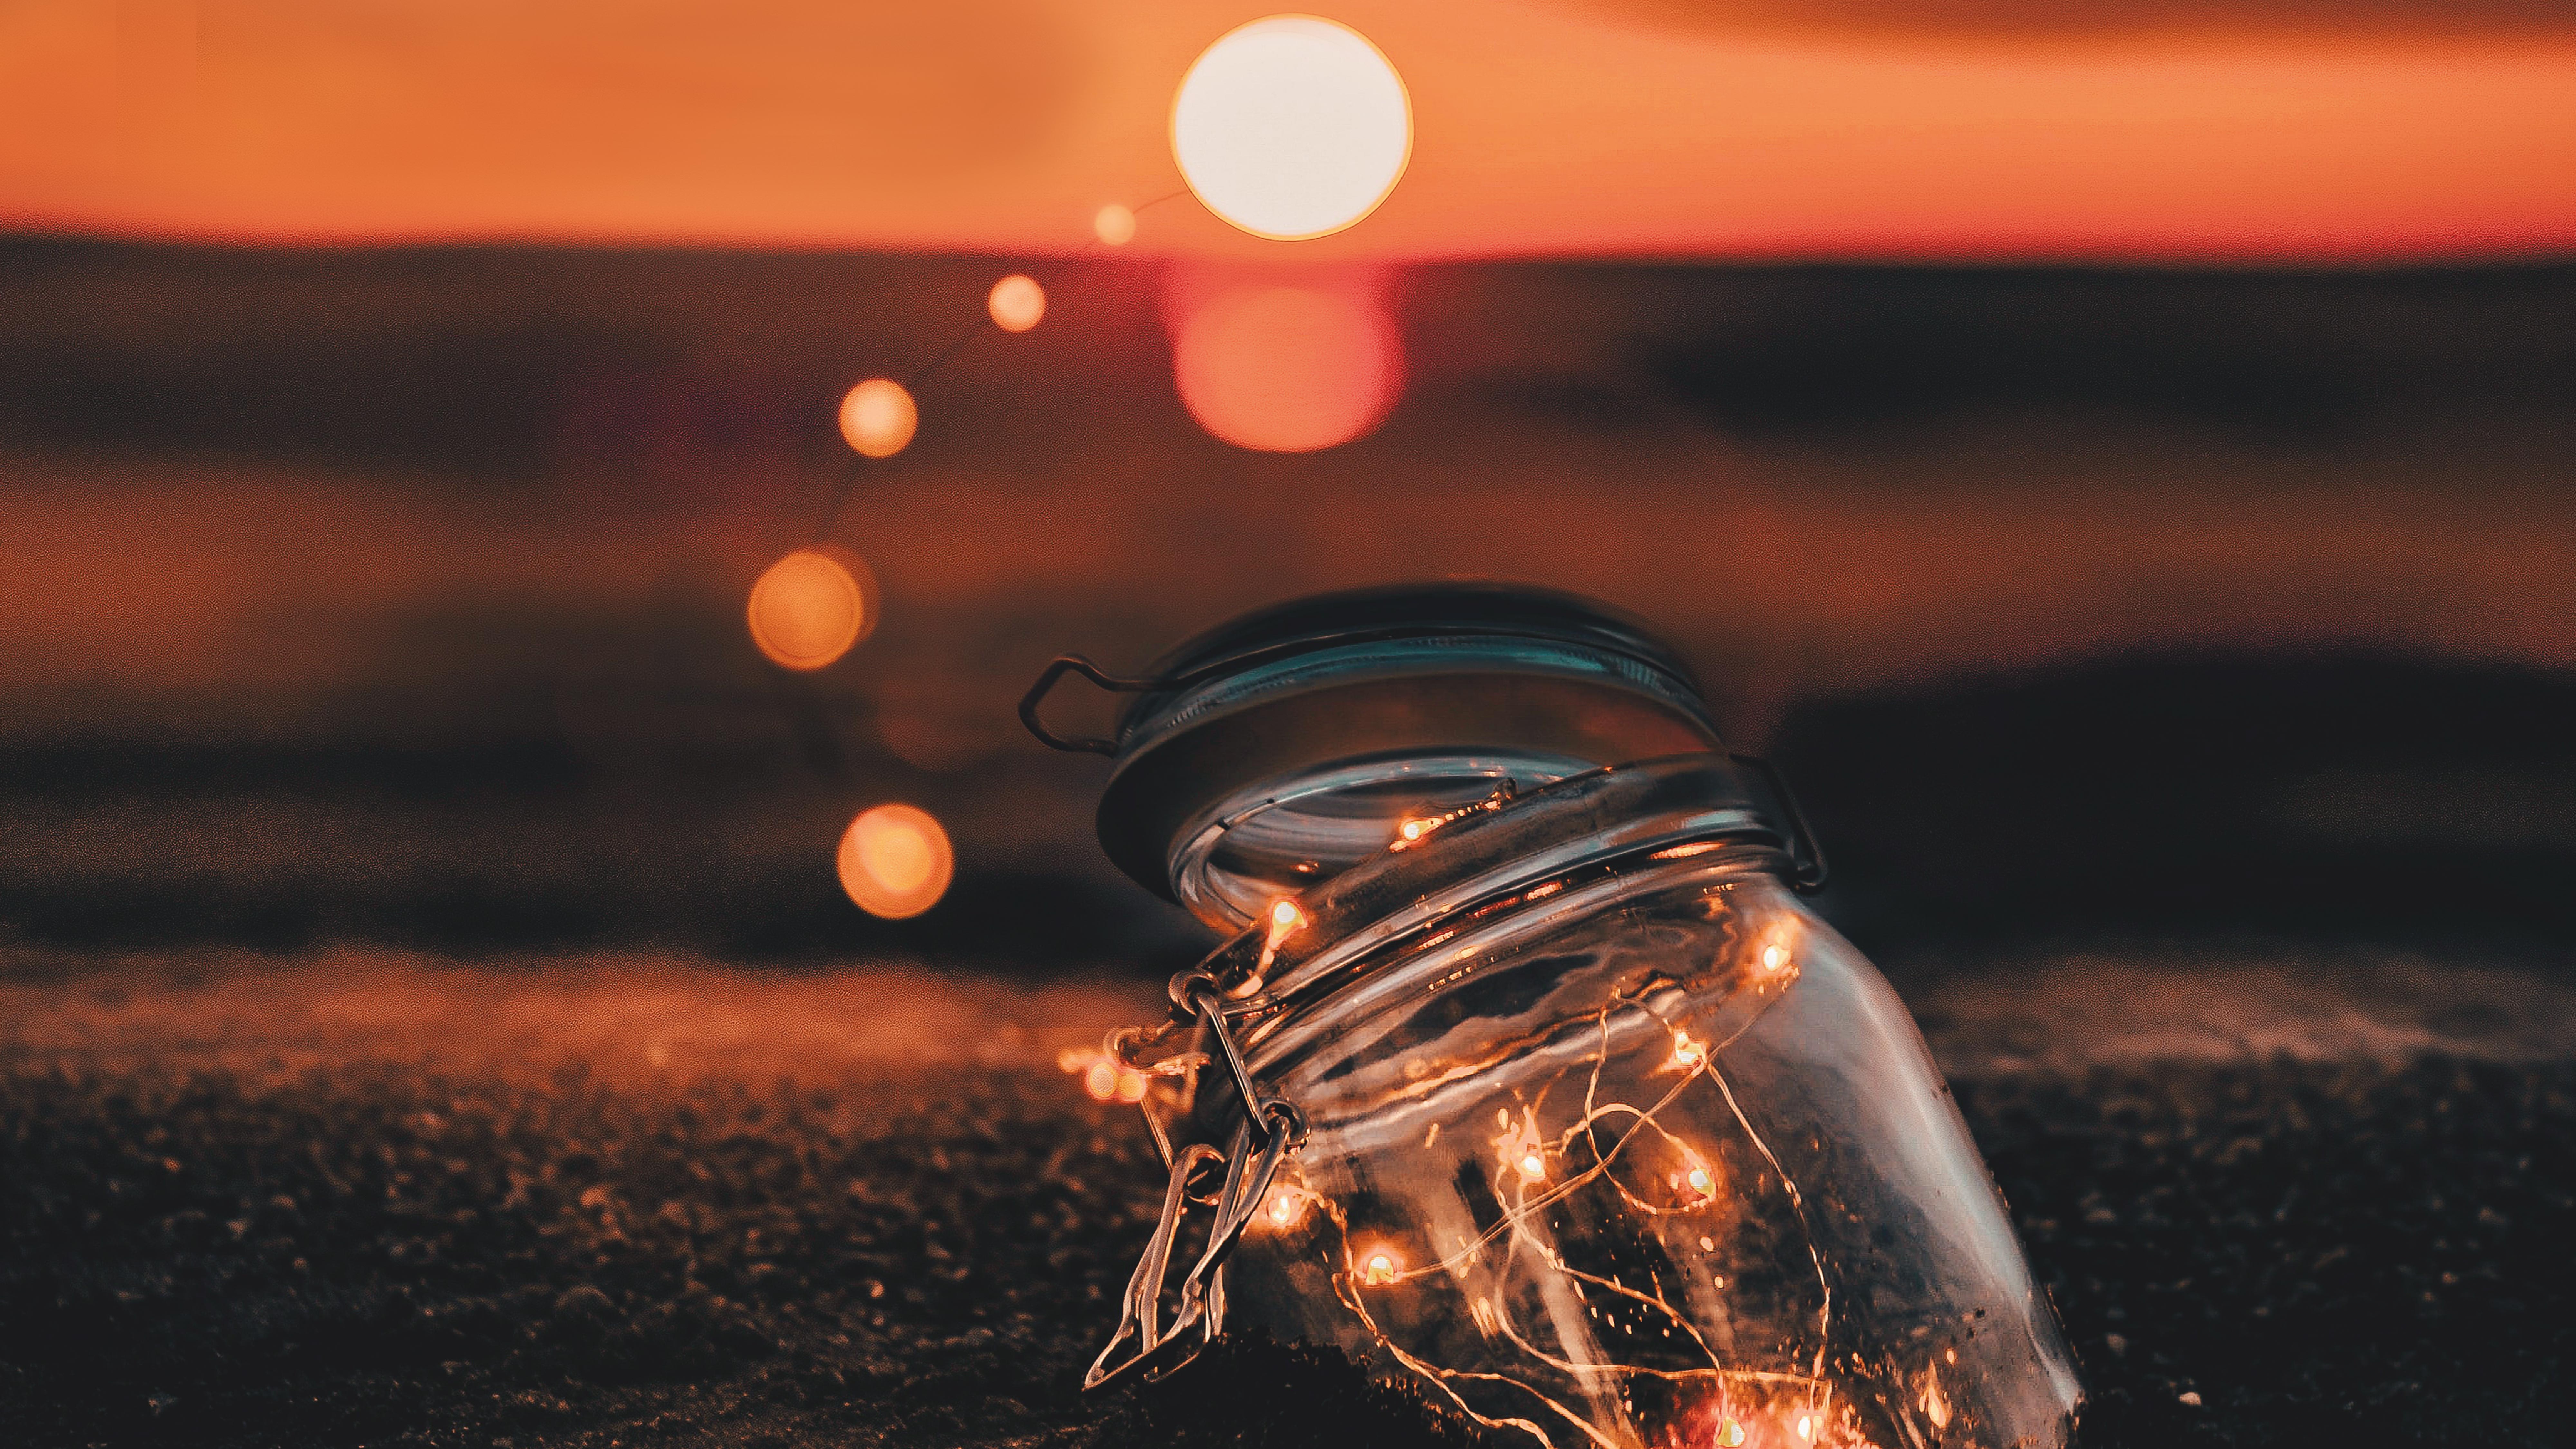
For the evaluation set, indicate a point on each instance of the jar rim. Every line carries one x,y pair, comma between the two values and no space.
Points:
1623,817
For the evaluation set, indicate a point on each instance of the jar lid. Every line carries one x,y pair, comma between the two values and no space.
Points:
1273,751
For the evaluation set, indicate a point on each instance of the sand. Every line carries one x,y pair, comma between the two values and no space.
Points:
364,1199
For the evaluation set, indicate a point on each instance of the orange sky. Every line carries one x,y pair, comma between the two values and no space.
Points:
1602,127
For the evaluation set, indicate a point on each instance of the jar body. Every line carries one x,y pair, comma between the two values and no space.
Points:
1646,1155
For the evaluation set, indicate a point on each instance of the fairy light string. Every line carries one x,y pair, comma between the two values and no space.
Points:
918,378
1537,1166
819,601
1809,1413
1287,127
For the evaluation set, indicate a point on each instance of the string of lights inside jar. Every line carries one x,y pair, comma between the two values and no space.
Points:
1577,1148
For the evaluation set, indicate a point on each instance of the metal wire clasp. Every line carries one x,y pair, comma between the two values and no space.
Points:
1056,669
1807,869
1271,1128
1064,664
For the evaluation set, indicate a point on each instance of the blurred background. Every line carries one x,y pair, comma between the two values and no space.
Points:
2120,460
397,594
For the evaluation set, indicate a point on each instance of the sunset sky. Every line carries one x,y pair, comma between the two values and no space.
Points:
2270,129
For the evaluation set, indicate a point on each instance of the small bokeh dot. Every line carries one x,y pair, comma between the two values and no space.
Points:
878,417
1017,303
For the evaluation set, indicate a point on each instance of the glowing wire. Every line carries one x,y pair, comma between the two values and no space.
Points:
1518,1150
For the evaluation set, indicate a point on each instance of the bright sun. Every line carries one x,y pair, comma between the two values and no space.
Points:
1291,127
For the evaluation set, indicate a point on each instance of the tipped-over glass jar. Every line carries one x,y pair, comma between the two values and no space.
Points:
1563,1104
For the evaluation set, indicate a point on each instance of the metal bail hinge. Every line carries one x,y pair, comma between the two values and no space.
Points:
1808,871
1271,1128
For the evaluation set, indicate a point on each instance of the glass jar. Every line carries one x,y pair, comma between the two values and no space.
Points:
1566,1108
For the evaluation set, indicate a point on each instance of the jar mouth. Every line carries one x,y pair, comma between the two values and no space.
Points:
1310,947
1531,726
1273,839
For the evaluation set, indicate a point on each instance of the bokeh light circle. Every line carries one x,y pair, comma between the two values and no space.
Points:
895,861
810,607
1287,369
1291,127
878,417
1017,303
1115,225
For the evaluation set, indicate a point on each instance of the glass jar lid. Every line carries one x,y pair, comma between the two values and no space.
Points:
1276,750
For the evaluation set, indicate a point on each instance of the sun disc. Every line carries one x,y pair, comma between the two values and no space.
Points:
1291,127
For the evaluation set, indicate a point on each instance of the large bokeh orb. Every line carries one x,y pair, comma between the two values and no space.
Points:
1286,369
895,861
810,607
1291,127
